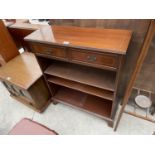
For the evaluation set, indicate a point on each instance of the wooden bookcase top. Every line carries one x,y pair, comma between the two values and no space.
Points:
106,40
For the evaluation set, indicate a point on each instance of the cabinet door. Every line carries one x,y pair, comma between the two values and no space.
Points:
17,92
26,95
22,93
10,88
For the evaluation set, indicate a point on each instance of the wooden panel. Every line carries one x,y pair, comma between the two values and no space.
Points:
109,40
86,75
40,93
54,51
89,103
82,87
22,71
94,58
8,49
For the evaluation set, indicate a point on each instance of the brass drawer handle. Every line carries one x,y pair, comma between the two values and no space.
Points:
91,58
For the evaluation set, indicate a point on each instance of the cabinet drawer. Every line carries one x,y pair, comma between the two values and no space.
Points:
91,57
51,50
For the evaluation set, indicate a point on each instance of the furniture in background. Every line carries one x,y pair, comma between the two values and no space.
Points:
24,80
29,127
8,49
16,34
143,53
82,65
20,30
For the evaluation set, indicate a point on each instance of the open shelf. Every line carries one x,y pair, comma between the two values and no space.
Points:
93,104
81,87
85,75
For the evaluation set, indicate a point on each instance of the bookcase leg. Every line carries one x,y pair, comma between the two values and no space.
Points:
110,124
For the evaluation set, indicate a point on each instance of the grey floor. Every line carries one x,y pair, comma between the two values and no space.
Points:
66,120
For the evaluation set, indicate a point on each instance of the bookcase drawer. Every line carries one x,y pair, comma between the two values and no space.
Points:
54,51
94,58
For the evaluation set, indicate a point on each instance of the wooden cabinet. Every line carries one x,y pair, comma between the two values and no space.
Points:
82,66
23,79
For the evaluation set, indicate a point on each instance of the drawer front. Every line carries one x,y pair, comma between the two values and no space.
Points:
94,58
53,51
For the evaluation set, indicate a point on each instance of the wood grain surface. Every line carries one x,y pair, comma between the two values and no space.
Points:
22,71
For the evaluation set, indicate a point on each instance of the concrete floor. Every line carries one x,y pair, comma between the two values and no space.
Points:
66,120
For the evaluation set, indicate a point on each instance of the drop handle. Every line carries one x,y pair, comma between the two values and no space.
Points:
91,58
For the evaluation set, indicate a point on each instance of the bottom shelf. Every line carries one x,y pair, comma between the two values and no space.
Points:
93,104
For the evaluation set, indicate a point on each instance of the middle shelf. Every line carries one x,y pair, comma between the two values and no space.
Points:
85,75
